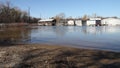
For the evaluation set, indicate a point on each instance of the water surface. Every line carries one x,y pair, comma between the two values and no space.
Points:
103,37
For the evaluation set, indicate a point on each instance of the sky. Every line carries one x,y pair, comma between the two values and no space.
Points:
74,8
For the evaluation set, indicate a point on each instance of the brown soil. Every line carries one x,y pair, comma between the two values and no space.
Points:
48,56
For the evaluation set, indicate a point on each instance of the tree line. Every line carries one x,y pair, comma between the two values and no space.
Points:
9,14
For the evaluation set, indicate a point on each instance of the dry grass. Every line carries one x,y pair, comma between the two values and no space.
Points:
47,56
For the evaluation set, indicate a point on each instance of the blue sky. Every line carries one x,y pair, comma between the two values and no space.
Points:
74,8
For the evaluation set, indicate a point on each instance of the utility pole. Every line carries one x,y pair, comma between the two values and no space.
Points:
28,14
8,11
40,16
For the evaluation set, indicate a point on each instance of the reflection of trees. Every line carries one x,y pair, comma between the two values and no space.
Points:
14,34
84,30
60,30
92,30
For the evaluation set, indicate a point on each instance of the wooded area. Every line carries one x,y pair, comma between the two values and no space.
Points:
12,14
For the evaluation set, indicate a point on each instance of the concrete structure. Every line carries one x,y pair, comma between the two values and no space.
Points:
111,22
94,22
91,23
78,22
46,22
71,22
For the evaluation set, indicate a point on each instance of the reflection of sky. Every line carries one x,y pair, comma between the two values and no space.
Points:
97,37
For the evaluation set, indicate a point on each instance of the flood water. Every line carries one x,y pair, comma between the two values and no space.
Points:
102,37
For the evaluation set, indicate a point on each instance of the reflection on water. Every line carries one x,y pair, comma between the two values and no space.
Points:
103,37
14,34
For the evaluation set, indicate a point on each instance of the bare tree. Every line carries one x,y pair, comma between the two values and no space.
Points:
85,17
10,14
60,16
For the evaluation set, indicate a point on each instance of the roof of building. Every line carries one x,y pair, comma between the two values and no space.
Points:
45,20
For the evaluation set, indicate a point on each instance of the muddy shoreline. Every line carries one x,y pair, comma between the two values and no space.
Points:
52,56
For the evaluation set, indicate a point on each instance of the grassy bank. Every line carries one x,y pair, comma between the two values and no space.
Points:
47,56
